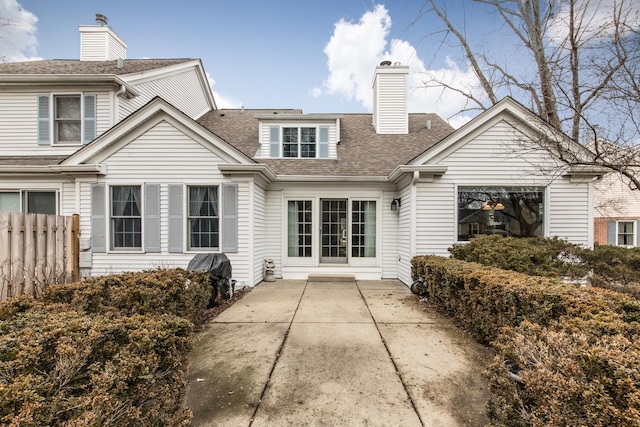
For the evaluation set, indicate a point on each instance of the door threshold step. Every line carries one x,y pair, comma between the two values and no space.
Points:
331,278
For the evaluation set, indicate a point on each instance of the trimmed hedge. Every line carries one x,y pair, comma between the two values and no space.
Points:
577,348
615,267
176,291
611,267
108,351
550,257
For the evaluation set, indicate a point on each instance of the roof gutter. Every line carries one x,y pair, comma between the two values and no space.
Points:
419,172
7,80
89,169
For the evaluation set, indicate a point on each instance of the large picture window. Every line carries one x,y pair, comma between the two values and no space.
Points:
126,217
508,211
203,217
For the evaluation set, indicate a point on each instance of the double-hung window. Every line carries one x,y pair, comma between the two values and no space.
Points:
126,217
29,201
299,142
203,217
626,235
67,123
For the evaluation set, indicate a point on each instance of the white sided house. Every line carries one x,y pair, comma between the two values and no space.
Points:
158,173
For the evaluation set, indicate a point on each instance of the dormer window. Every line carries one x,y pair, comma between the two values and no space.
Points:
66,119
299,142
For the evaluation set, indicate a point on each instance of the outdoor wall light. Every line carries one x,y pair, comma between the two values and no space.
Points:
395,204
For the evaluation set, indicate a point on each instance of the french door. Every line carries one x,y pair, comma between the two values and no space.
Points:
333,231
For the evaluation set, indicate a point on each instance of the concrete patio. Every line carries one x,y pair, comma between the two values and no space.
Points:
331,353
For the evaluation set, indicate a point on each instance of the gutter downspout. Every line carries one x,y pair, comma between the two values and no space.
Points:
414,214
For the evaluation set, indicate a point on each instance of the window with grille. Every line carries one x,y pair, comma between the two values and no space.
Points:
203,217
126,218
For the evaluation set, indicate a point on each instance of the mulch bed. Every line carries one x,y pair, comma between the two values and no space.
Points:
222,304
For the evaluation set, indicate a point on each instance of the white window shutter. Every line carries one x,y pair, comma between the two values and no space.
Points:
176,223
229,218
323,140
44,120
98,218
274,141
89,118
152,218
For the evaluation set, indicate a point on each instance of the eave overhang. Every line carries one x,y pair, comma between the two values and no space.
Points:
586,172
244,170
423,172
298,117
22,170
31,80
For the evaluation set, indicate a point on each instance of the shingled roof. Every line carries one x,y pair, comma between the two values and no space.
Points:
361,152
76,67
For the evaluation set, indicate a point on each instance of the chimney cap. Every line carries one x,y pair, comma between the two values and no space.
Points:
385,63
101,19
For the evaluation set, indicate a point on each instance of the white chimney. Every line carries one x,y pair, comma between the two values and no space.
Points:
390,115
100,43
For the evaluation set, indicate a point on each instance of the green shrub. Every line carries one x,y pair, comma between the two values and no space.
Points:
616,268
551,257
174,291
577,346
61,367
110,350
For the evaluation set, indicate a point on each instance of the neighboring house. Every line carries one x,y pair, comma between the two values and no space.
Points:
158,173
617,213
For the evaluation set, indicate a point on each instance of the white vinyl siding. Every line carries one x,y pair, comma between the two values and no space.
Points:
170,158
100,44
274,220
19,122
389,240
406,236
436,210
261,249
183,90
391,104
569,215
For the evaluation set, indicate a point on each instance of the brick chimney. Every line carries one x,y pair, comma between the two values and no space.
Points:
390,115
100,43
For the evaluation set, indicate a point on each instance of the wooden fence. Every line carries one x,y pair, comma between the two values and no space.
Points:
37,250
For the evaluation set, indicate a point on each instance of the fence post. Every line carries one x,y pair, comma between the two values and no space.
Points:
5,255
75,231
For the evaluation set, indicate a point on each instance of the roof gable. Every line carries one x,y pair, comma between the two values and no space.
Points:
506,109
154,112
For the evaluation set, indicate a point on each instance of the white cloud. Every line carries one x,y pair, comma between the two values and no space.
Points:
222,101
355,49
18,30
595,19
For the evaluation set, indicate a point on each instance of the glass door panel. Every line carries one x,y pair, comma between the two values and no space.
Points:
334,231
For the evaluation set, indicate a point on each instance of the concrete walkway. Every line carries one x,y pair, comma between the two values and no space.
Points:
335,354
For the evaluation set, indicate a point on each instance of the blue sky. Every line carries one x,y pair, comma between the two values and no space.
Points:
318,56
